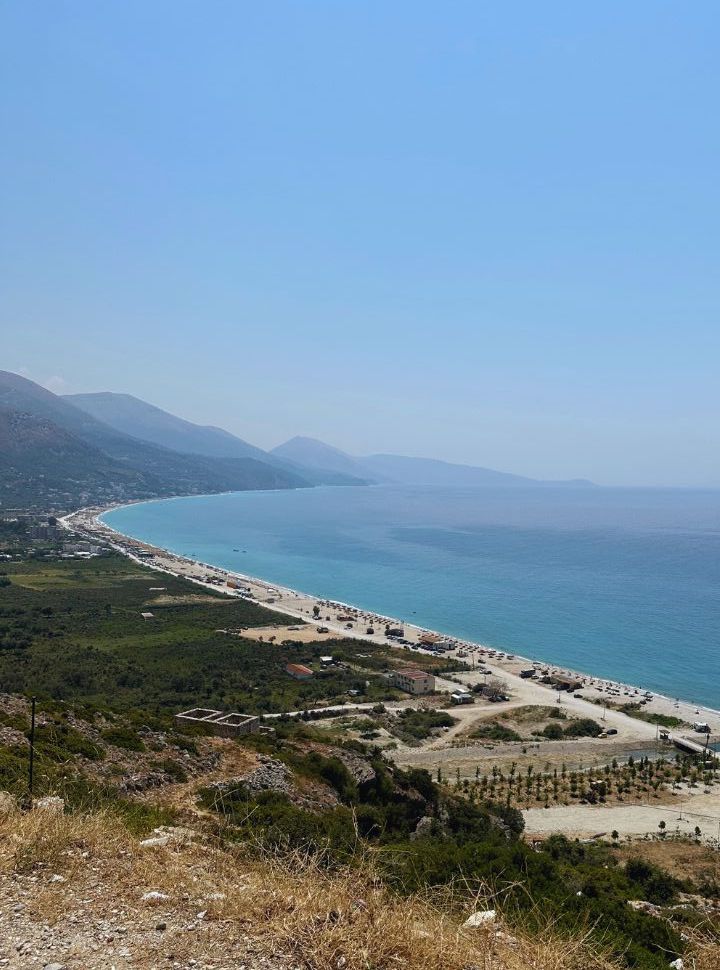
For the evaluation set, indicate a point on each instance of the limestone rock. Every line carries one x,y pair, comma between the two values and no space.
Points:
155,842
423,828
643,906
51,804
165,834
483,917
269,775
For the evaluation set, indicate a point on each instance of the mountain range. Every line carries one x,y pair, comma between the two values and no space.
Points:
401,469
54,453
60,451
138,419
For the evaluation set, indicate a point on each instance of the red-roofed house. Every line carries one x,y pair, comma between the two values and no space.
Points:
299,671
414,681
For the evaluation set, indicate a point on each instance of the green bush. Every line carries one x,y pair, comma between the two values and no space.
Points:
421,724
495,732
123,737
584,727
174,769
60,742
652,717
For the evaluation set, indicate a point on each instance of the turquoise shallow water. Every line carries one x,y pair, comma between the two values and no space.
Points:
623,583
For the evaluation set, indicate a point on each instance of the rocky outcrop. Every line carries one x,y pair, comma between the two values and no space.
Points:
10,738
360,768
423,828
50,804
143,781
269,775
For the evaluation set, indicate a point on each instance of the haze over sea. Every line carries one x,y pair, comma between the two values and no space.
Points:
622,583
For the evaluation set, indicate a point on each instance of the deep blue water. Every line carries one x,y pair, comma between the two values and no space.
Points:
623,583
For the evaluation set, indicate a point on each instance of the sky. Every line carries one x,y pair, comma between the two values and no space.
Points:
483,232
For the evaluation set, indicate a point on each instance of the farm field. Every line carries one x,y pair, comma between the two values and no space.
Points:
74,629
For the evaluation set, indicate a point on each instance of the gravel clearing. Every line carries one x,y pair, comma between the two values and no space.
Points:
46,923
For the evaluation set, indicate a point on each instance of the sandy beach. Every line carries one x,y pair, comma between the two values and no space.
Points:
454,752
483,662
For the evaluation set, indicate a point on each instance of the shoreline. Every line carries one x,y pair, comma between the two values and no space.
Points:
596,691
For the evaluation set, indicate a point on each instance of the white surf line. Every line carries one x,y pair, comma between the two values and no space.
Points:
310,598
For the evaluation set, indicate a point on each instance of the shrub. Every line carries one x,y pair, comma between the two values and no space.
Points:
584,727
174,769
124,738
495,732
421,724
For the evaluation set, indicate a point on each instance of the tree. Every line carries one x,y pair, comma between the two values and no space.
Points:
495,688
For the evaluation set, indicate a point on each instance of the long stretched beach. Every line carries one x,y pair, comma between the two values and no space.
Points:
342,618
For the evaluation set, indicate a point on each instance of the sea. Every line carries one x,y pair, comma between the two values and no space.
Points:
620,583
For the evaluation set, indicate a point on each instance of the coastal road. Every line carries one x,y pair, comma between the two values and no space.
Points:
347,708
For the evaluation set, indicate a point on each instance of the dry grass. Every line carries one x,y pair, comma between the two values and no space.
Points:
705,953
318,919
682,859
277,633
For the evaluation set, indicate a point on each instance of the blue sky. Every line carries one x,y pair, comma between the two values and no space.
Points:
481,232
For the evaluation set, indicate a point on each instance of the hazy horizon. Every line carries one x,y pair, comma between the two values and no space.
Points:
480,234
53,386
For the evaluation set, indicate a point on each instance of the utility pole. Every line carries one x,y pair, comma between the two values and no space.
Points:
31,765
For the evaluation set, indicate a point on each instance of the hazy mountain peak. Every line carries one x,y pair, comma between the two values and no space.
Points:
317,454
398,469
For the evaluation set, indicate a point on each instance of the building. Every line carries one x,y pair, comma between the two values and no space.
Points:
570,684
220,723
462,697
299,671
44,532
83,548
413,681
